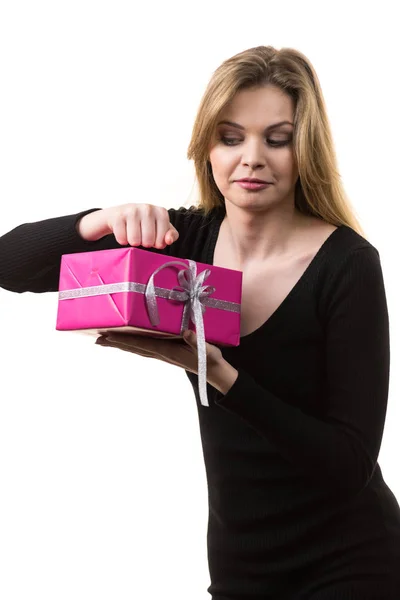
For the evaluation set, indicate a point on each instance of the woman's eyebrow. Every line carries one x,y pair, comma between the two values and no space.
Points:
269,128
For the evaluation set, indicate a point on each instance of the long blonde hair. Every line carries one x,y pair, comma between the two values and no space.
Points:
319,190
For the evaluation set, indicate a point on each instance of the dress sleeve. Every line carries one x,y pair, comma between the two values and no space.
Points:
340,450
30,254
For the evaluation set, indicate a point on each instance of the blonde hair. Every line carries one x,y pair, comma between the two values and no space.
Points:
319,190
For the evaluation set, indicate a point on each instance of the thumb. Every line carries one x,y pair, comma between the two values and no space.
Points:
189,337
172,235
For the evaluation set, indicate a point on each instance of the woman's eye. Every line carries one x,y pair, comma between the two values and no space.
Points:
231,141
228,141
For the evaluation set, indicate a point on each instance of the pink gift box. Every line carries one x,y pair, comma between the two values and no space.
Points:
105,290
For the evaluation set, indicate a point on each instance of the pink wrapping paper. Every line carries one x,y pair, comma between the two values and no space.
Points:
127,310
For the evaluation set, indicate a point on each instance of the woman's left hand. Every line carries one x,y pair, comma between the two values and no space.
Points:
180,353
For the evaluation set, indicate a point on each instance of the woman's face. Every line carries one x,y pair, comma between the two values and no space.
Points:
255,149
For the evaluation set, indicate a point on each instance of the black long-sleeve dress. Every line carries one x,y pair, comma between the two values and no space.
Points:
298,507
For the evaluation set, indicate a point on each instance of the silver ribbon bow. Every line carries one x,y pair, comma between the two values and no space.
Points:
193,294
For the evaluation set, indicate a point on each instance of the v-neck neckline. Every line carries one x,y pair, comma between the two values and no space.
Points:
293,291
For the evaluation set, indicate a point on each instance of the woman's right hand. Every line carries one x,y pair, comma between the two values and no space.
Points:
145,225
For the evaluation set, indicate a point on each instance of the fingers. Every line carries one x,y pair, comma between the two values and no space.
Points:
126,346
146,225
177,354
133,232
172,235
162,227
119,230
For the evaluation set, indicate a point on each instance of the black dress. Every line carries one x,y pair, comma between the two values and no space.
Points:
298,507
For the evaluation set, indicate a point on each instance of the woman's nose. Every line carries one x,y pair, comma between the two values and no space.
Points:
253,164
253,155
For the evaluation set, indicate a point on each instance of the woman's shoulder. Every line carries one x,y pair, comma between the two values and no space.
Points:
349,243
352,262
337,242
344,254
349,266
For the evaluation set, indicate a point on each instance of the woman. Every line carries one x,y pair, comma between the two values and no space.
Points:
299,509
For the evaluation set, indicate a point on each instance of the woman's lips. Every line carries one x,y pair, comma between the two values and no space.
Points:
249,185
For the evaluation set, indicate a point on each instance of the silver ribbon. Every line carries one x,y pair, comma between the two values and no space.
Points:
192,292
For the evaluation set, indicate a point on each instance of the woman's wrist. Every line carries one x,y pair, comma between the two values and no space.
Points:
222,376
91,227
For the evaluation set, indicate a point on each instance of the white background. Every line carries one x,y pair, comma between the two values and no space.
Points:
103,488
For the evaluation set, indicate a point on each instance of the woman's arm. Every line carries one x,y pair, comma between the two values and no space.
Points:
30,254
339,451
